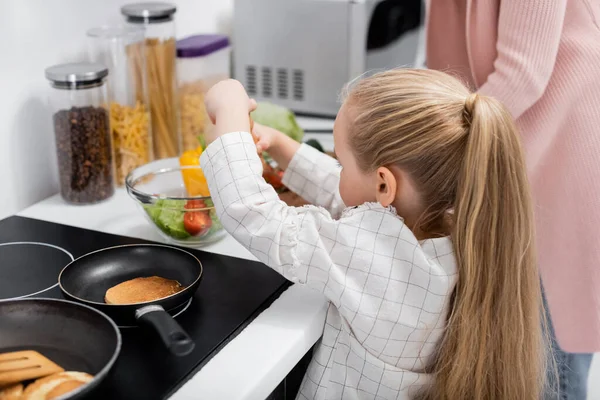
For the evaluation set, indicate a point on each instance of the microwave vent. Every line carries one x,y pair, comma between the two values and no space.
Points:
282,83
298,84
267,82
275,83
251,80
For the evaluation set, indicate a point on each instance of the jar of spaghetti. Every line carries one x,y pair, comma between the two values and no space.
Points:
120,49
160,58
202,61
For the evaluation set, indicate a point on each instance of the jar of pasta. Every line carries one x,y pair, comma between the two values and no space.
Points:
120,49
202,61
160,58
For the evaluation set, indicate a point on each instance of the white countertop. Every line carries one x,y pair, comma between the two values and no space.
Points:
253,364
316,124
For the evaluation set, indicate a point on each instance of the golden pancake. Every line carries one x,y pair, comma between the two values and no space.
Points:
141,290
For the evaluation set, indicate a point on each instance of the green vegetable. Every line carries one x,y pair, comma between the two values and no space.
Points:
216,224
280,118
171,222
314,143
153,210
202,142
168,216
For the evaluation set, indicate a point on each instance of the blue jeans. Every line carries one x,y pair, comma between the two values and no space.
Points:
572,370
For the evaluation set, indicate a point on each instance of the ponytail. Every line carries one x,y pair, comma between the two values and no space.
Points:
464,155
493,347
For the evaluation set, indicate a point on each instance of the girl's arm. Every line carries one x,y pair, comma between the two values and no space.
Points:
315,177
529,34
312,175
369,250
284,238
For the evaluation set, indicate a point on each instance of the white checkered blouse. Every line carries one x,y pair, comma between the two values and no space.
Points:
388,292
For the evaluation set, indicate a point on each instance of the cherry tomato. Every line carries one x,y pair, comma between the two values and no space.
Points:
195,205
197,223
273,178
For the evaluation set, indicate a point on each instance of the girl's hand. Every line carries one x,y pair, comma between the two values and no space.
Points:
280,147
228,107
226,97
267,137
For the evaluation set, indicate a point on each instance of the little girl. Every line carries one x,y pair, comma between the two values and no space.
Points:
421,237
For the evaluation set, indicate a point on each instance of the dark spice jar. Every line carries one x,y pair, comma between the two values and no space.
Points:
83,136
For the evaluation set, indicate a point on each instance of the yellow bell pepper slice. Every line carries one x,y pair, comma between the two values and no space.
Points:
193,179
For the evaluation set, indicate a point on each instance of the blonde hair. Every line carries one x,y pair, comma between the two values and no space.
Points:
463,152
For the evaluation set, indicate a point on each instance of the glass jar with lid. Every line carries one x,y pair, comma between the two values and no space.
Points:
160,53
202,61
81,127
120,49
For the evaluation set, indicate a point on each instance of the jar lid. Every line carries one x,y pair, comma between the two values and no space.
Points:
76,73
149,12
201,45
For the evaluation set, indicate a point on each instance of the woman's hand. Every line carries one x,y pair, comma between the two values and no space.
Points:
228,107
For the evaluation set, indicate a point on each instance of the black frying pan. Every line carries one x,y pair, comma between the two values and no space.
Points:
74,336
89,277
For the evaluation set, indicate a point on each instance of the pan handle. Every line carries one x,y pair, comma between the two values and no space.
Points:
171,333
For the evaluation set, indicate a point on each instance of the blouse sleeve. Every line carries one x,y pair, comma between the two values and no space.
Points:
529,33
290,240
315,177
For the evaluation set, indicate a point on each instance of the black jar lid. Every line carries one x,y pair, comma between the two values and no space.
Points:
148,12
76,74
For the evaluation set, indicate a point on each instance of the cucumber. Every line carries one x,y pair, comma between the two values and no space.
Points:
315,144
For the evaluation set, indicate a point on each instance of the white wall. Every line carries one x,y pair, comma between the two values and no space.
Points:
39,33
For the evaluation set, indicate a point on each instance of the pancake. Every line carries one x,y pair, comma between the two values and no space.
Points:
141,290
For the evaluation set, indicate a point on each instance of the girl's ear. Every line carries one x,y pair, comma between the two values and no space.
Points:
386,186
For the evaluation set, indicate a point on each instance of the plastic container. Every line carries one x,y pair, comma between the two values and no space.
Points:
120,49
159,45
81,126
202,60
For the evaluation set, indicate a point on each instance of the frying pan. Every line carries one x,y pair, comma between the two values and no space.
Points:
74,336
87,279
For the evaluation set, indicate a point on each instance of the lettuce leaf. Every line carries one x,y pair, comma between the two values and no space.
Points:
280,118
168,217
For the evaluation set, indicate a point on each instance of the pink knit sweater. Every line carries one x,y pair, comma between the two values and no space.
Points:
541,58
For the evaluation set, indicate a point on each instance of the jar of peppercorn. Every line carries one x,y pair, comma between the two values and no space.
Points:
81,126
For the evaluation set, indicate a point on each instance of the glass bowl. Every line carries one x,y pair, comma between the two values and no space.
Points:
159,190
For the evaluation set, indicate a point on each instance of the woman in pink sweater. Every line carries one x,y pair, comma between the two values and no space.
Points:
541,58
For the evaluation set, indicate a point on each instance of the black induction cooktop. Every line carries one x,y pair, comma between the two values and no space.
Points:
232,293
